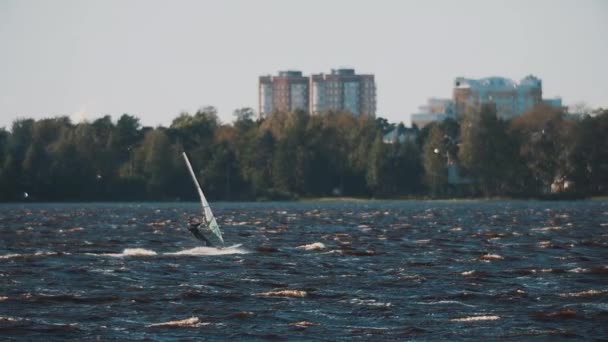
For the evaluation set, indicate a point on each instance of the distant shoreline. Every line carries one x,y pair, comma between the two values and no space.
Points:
343,199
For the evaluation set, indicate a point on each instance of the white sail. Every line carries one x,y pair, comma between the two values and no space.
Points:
211,222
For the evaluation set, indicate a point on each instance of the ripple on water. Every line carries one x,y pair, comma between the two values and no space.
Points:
365,270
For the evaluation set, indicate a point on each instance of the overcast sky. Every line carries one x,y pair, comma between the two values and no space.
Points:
155,59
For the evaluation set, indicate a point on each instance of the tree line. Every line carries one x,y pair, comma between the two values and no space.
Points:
292,155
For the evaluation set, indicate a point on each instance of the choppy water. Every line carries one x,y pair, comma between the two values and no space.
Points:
371,271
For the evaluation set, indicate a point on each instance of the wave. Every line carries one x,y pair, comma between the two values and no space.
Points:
283,293
303,324
10,323
198,251
475,319
30,256
556,315
191,322
446,302
588,293
133,252
490,257
369,302
312,247
68,298
545,229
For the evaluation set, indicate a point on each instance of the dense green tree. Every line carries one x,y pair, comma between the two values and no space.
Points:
245,114
487,153
157,161
589,158
546,144
287,155
70,174
377,168
407,170
258,167
435,160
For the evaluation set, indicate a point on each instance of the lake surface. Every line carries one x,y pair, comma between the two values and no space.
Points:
372,271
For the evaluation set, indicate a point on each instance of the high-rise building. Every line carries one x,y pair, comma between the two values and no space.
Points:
511,99
342,89
286,92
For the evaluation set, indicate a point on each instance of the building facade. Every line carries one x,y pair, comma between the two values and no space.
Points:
342,89
287,92
555,102
511,99
435,110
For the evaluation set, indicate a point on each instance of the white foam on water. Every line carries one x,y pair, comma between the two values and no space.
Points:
37,254
198,251
545,229
283,293
446,302
191,322
587,293
490,257
10,256
312,247
369,302
475,319
303,324
133,252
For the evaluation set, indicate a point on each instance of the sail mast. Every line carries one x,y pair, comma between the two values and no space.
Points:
206,208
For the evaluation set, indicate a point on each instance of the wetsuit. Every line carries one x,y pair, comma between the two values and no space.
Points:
193,224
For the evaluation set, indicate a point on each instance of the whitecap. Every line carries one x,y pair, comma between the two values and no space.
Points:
284,293
587,293
545,229
475,319
37,254
10,256
544,244
133,252
369,302
191,322
303,324
313,246
446,302
199,251
489,257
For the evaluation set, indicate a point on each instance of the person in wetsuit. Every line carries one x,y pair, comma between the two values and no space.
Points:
193,224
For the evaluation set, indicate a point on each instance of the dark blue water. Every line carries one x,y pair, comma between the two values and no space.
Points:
373,271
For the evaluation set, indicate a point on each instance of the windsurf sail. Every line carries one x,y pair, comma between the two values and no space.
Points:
209,229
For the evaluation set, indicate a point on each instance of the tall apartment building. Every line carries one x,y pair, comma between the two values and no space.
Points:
286,92
343,90
512,99
340,90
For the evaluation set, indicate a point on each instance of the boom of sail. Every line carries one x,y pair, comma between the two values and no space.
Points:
208,230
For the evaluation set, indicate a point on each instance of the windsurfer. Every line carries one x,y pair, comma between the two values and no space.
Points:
193,224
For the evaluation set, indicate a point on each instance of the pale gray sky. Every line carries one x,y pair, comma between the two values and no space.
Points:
154,59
